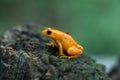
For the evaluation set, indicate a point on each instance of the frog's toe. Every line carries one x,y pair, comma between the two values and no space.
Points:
64,57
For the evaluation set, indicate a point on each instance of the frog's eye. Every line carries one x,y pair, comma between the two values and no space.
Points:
49,32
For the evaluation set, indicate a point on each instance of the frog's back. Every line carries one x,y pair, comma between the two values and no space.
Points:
67,41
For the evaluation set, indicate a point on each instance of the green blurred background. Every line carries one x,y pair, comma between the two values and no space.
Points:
95,24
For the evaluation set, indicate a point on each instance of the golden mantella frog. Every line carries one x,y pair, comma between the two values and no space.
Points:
64,42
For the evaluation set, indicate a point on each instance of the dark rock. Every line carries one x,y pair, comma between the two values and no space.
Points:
115,71
25,56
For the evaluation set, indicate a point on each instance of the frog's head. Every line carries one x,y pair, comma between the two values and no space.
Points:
52,33
48,32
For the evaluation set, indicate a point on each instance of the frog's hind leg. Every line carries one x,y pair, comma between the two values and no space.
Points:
74,52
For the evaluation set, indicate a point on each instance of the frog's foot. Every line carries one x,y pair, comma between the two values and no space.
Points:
73,57
52,44
49,44
68,57
64,56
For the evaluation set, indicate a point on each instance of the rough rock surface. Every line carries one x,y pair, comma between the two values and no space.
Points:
115,71
24,56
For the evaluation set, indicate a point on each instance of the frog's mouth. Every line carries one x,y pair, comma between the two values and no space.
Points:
43,32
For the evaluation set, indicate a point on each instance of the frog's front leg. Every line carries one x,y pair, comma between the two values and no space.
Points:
61,54
74,52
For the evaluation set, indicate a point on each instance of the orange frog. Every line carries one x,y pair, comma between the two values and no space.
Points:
64,42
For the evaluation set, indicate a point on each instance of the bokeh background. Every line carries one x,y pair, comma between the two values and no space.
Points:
95,24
